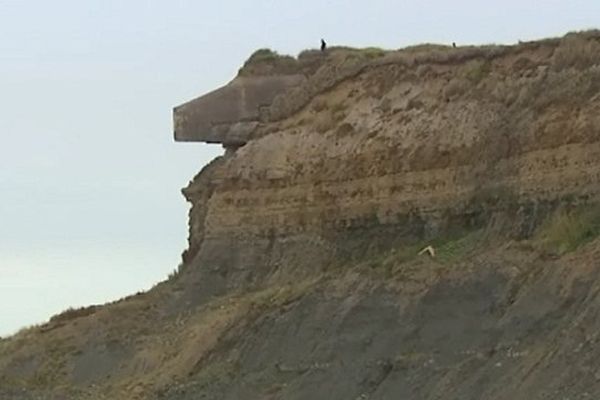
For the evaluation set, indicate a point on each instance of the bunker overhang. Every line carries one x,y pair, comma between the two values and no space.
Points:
230,114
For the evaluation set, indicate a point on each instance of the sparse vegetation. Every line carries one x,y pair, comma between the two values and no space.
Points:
373,52
429,47
212,374
566,230
310,54
455,248
449,248
263,55
175,273
267,62
477,70
73,313
277,296
576,51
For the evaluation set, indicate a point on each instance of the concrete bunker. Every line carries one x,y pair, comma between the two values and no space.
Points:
229,114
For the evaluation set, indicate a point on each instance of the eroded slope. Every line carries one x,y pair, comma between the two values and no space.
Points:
302,277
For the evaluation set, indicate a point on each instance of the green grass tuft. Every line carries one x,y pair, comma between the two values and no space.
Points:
456,248
449,248
566,230
263,55
373,52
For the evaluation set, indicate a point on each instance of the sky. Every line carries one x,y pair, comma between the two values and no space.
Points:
90,177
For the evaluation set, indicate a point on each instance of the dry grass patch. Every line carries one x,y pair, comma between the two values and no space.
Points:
73,313
373,52
576,51
477,70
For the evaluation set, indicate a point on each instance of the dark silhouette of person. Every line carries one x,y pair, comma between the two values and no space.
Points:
454,44
323,45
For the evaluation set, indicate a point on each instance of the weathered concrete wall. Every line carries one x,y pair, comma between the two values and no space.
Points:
229,114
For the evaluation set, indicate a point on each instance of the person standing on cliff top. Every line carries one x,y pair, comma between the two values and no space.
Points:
323,45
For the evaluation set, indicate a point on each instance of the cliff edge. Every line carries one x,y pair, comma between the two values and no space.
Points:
303,277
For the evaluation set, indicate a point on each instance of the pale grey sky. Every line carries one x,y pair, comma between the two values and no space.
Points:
90,208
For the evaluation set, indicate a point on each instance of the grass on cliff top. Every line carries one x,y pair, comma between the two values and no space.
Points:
263,55
268,62
566,230
575,50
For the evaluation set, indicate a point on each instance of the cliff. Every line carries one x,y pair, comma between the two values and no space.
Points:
302,275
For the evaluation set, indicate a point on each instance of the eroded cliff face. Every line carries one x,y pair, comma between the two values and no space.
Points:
411,146
302,278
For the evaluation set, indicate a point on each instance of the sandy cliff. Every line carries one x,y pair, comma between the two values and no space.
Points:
412,145
302,279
